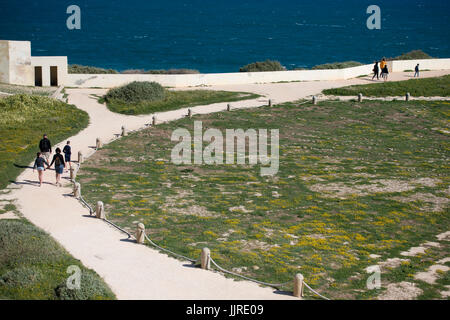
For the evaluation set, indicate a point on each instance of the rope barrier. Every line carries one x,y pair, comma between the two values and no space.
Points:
276,286
116,226
314,291
168,251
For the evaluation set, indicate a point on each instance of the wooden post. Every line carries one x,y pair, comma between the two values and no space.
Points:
98,143
360,97
314,100
100,211
407,96
298,285
154,120
189,113
124,131
140,233
80,157
270,102
77,190
206,262
228,107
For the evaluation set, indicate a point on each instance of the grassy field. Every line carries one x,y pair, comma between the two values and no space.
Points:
428,87
23,121
358,184
33,267
176,100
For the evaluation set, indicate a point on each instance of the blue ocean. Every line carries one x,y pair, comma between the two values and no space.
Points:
223,35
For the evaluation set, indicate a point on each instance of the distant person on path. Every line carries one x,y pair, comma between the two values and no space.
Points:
416,71
376,71
385,71
382,65
59,165
39,165
67,153
46,147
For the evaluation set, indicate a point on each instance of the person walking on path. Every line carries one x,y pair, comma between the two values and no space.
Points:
59,165
382,65
375,71
67,154
385,72
46,147
39,165
416,71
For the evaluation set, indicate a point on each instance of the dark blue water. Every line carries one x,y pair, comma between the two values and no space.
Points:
222,35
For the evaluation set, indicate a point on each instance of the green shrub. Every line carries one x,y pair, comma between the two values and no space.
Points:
76,68
35,245
21,277
337,65
91,288
135,92
170,71
176,100
267,65
413,55
33,266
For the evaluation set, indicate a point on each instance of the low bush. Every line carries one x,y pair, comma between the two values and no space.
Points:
34,266
413,55
21,277
76,68
170,71
337,65
267,65
91,288
135,92
176,100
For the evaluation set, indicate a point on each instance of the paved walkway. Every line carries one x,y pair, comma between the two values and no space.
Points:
136,271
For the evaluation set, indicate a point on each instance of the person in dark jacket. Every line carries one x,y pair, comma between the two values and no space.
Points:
67,150
416,69
46,147
39,165
376,71
58,160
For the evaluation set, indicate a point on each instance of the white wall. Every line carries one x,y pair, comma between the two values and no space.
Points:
208,79
15,63
46,63
431,64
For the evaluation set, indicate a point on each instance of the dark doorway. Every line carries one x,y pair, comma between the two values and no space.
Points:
38,76
54,76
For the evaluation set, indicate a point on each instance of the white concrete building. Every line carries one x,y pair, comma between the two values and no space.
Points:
17,66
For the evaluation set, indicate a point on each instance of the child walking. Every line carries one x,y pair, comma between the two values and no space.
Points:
39,164
67,154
